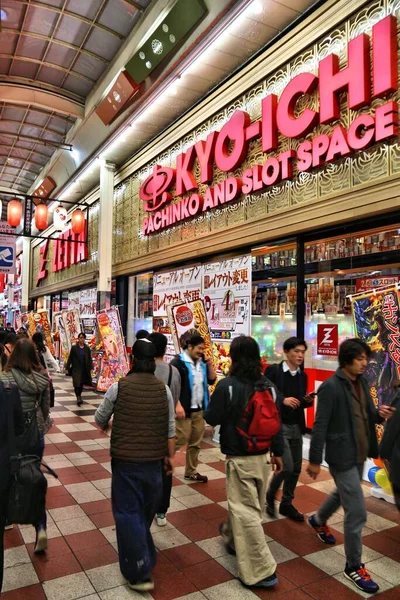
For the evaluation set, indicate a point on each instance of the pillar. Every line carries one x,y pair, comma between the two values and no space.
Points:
25,273
107,171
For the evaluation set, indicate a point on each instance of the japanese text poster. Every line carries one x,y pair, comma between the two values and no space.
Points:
115,362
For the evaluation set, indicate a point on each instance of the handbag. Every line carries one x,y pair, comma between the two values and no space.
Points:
27,495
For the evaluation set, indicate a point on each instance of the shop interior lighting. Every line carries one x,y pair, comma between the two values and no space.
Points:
257,7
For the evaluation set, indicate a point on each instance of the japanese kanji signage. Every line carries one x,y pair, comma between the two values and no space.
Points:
7,249
371,72
170,287
226,288
327,339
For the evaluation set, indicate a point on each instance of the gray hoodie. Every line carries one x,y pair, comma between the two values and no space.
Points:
33,389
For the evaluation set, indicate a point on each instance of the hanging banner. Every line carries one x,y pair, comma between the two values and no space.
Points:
88,303
369,283
7,249
73,300
42,322
170,287
377,322
72,325
190,315
115,362
226,286
65,345
97,359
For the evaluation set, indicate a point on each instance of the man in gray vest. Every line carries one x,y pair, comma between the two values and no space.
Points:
142,443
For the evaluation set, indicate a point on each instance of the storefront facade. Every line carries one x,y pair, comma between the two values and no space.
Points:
289,172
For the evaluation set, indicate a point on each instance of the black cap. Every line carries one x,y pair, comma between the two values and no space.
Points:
144,350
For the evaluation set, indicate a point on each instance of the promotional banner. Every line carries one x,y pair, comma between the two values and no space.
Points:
72,325
65,345
186,316
377,322
88,303
73,300
39,321
7,249
97,359
115,362
170,287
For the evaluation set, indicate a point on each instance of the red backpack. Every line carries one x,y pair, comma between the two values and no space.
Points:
260,420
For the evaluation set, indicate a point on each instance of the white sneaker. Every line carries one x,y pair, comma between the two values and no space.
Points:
7,527
161,519
41,541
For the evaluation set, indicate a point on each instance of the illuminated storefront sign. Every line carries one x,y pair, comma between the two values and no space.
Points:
69,249
364,79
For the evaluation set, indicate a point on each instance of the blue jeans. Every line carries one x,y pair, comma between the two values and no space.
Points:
136,492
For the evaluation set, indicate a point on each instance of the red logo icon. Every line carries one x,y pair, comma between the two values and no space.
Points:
184,316
153,191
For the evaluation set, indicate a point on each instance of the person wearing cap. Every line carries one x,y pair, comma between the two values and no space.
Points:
142,443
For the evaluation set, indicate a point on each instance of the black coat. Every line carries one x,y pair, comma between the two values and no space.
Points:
19,425
390,444
334,425
276,374
74,366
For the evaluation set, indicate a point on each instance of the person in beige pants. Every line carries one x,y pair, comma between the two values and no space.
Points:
196,374
246,473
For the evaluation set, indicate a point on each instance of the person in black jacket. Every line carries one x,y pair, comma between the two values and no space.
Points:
291,381
345,425
19,424
246,472
389,448
196,375
80,365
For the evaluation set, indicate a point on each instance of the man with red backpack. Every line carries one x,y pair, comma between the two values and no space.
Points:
244,404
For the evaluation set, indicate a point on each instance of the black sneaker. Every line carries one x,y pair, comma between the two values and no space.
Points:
361,579
322,531
271,512
264,583
79,401
291,512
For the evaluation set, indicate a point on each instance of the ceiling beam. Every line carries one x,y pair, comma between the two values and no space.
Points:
26,94
35,126
15,147
33,140
135,5
68,13
39,111
49,65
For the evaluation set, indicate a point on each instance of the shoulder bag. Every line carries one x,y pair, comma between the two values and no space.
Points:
27,495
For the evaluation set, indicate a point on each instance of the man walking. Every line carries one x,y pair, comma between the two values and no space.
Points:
247,468
291,381
142,443
170,376
196,374
345,425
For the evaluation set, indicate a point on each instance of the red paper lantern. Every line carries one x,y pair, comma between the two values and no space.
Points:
78,221
41,216
14,213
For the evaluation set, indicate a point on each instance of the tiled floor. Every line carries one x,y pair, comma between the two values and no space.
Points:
82,559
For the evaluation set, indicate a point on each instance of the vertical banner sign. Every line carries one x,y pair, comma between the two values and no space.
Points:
377,322
227,292
171,287
115,359
327,339
28,214
190,315
42,324
65,345
88,303
7,249
72,325
74,300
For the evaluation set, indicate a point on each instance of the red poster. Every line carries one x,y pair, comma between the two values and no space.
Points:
328,339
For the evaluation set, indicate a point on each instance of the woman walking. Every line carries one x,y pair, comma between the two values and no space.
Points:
45,356
80,365
24,370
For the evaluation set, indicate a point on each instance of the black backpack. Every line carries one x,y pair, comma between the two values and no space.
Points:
28,485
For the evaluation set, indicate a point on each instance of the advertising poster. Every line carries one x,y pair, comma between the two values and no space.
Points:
88,303
115,362
72,325
97,359
186,316
65,345
7,249
377,322
170,287
73,300
42,324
